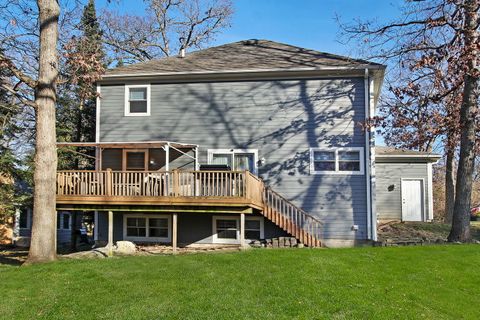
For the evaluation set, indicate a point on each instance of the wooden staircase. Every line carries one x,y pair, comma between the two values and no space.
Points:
290,218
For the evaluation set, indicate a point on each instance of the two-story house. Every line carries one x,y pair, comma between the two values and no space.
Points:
249,140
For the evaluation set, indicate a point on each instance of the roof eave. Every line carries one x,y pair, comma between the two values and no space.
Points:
156,75
423,158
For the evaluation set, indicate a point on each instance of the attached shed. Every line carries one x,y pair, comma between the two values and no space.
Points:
404,184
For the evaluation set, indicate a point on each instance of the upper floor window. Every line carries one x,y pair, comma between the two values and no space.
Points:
336,160
137,100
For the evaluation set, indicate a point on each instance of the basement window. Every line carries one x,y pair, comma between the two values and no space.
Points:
337,160
137,100
227,229
147,228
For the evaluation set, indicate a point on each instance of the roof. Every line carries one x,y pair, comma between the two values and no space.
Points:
246,55
390,153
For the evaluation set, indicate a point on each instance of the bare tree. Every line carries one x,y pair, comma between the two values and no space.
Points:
468,113
435,44
167,27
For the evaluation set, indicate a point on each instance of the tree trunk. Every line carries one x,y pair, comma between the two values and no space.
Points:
449,184
461,215
43,239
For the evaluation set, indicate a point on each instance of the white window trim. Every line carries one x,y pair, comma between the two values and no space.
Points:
237,219
211,152
127,102
337,172
147,238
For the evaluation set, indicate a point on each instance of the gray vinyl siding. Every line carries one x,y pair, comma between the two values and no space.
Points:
388,187
282,119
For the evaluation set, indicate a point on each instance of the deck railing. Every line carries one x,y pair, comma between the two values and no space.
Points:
174,183
235,185
292,219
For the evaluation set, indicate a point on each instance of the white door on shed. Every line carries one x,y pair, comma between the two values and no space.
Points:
412,200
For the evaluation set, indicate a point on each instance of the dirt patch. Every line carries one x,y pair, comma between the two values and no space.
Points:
419,232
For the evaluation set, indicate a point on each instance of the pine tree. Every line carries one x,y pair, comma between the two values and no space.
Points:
85,62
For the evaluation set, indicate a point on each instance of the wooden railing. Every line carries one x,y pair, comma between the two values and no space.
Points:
174,183
207,184
306,228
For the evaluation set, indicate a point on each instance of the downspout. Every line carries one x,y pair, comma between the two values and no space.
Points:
367,155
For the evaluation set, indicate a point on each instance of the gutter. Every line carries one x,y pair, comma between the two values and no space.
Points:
239,71
367,155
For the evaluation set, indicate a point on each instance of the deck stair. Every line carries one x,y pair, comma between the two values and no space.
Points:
292,219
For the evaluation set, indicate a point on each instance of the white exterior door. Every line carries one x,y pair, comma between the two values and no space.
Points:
412,200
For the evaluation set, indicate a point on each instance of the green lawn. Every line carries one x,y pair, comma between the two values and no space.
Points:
437,282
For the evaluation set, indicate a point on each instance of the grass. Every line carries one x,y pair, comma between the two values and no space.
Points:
431,282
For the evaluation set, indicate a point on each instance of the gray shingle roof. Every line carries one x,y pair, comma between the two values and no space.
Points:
390,151
243,55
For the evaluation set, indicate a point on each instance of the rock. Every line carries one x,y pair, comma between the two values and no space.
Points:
125,247
23,242
300,245
275,243
256,244
95,253
476,241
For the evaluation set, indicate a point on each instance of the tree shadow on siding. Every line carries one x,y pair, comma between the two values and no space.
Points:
302,118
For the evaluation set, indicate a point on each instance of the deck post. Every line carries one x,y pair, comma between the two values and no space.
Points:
167,156
174,233
175,183
110,233
242,231
109,184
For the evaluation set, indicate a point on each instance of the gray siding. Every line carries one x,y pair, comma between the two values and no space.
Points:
282,119
388,187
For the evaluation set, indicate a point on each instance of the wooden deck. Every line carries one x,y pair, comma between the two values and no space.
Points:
84,190
184,191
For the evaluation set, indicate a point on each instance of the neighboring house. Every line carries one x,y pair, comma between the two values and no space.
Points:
404,184
280,127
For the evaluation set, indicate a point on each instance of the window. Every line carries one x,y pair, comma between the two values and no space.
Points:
136,227
336,161
236,159
227,229
24,218
63,221
147,227
137,100
158,228
135,160
66,221
252,229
